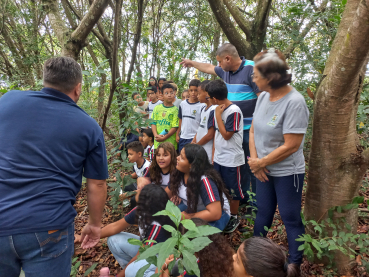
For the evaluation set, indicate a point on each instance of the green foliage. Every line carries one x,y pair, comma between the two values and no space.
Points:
334,234
75,266
178,245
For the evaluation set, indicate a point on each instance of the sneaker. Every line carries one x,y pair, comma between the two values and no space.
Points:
232,224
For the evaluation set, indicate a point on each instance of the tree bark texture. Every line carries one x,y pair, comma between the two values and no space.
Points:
73,42
337,163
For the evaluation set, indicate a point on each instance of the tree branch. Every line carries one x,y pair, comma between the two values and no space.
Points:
56,21
89,20
260,24
238,17
287,52
234,37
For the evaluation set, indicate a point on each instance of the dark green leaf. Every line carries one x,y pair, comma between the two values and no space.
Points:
152,251
134,242
203,231
166,250
200,243
89,270
190,262
141,271
189,225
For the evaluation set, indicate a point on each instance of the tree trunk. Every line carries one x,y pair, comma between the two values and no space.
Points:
114,67
72,43
337,163
137,37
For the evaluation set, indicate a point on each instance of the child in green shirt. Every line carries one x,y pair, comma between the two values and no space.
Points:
166,118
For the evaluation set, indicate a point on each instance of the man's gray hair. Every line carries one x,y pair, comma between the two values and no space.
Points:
62,73
227,49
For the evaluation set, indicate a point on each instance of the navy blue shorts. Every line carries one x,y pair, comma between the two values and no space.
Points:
232,177
182,142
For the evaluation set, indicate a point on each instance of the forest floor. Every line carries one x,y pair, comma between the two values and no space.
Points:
101,254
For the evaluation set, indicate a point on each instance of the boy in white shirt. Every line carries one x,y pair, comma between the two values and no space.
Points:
189,116
205,133
154,101
229,158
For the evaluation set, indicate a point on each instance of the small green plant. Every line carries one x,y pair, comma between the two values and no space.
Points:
334,234
75,266
182,246
250,217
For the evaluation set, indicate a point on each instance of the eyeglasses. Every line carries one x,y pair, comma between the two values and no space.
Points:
253,76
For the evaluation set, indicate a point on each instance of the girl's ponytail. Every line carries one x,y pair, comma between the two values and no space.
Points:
292,270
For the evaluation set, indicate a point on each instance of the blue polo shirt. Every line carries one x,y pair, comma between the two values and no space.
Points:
46,143
241,89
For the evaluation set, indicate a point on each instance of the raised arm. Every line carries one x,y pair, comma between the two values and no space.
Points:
203,67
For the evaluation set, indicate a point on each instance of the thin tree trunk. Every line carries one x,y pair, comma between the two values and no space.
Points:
137,37
337,163
114,71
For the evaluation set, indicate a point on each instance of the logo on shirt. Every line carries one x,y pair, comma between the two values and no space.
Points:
194,112
164,114
204,119
273,120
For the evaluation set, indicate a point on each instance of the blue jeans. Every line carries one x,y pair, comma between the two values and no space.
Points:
123,252
38,254
182,142
286,192
249,176
220,223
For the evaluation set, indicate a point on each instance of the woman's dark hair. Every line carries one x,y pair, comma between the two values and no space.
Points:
155,170
216,259
152,199
198,158
156,82
162,79
149,133
273,67
262,257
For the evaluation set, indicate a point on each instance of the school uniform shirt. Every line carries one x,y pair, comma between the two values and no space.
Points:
140,171
165,118
242,91
229,153
190,114
207,121
142,109
165,178
208,194
154,232
152,105
149,152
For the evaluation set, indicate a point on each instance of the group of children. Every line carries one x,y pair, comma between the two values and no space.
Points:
201,175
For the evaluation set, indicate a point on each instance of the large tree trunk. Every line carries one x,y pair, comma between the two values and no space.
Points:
337,163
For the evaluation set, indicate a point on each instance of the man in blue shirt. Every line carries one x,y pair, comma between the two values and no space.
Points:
46,143
236,72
